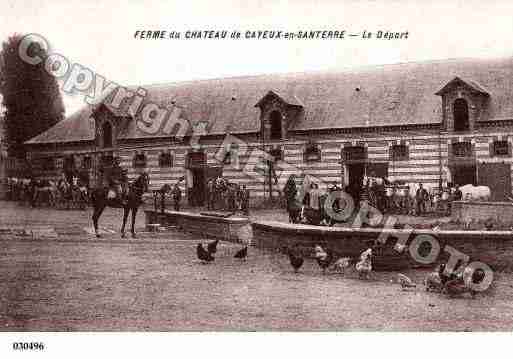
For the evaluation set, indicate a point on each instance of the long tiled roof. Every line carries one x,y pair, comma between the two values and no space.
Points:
77,127
373,96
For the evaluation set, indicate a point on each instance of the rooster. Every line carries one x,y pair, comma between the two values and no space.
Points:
203,255
405,282
296,260
323,258
212,246
364,266
242,253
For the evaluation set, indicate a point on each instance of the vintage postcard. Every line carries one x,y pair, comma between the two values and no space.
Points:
266,166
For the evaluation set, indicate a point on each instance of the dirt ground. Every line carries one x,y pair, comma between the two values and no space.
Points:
159,285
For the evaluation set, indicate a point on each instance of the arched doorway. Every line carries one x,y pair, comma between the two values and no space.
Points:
460,113
107,134
276,128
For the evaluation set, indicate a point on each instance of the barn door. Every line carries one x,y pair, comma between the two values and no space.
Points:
497,176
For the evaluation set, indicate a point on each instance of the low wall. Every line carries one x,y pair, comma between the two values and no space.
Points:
481,211
494,248
235,229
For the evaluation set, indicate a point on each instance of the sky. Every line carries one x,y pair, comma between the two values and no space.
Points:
99,34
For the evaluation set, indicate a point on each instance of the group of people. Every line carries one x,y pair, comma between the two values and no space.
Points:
387,197
221,194
409,198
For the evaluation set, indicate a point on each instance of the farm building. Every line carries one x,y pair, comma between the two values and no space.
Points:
432,122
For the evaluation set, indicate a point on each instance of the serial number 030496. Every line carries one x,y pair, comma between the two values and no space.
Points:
28,346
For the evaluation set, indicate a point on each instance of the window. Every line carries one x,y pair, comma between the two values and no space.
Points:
107,160
87,162
276,128
107,134
354,153
312,153
460,113
399,153
69,164
195,158
277,153
47,164
231,155
166,159
227,158
500,148
139,160
462,149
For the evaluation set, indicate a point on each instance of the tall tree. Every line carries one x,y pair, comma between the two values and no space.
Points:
30,94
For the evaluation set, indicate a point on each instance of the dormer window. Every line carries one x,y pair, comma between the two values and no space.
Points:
460,115
464,102
278,113
107,134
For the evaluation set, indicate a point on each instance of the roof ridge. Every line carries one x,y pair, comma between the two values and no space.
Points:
341,70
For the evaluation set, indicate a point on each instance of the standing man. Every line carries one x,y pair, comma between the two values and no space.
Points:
421,197
176,193
245,200
315,198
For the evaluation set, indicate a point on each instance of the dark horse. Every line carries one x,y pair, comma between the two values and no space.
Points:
130,202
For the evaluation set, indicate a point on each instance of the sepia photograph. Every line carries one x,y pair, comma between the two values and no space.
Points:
272,167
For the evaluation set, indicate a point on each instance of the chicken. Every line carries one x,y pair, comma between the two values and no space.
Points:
242,254
203,255
323,258
212,246
462,283
433,281
405,282
445,277
364,266
456,287
341,264
296,260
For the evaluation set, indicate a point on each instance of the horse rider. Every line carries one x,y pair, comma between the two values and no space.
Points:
176,194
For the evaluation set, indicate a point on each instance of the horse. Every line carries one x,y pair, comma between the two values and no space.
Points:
45,193
130,203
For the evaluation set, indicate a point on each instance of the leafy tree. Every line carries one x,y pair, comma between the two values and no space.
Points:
30,94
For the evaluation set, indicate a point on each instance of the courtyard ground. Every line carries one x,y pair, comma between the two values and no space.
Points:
14,215
74,282
159,285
